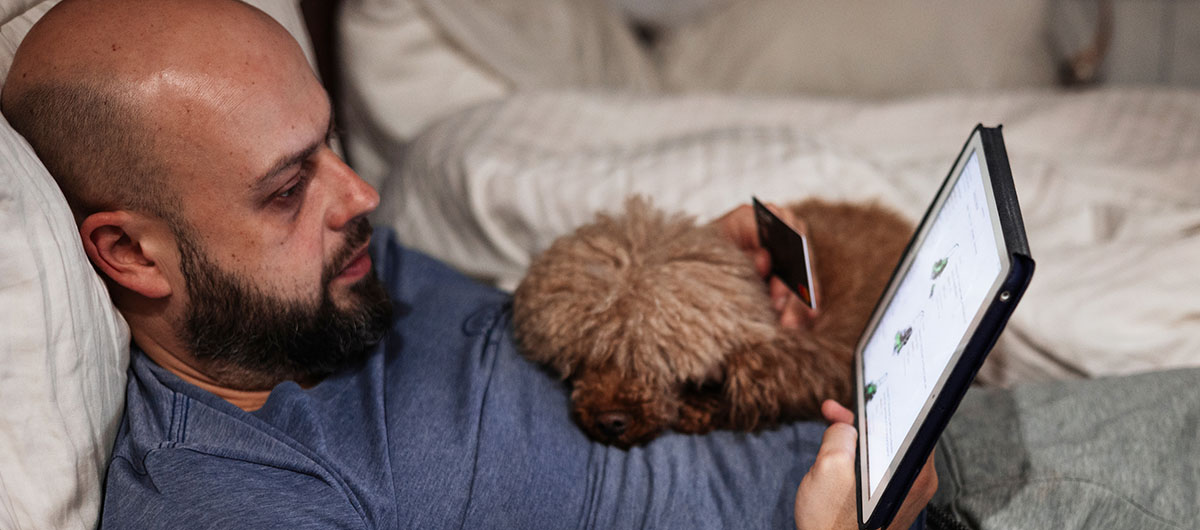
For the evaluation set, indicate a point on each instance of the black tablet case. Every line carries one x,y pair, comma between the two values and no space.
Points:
993,322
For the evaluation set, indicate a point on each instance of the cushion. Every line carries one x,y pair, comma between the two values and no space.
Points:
874,48
409,62
64,347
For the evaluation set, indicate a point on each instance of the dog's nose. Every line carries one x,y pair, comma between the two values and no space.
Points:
613,424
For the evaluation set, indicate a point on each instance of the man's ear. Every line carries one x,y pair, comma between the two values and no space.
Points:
129,248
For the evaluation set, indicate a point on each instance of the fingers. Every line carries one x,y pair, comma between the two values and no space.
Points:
825,499
927,481
834,412
788,217
762,261
796,314
792,312
780,294
740,227
839,442
918,497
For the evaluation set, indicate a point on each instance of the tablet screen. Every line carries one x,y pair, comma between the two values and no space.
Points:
952,272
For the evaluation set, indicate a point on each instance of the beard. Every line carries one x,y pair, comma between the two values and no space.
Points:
247,338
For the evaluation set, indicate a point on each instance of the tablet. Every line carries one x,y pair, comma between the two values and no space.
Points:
949,297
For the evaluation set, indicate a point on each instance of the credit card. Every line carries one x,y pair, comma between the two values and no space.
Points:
790,258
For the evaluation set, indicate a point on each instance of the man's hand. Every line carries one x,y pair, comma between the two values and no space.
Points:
826,497
740,227
825,500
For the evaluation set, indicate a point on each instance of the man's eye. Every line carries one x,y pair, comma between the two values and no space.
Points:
294,191
288,192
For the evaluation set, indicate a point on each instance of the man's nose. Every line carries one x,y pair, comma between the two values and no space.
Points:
354,198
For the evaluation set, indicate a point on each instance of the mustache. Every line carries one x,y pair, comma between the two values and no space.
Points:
357,234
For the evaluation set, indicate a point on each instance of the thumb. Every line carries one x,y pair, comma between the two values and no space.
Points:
839,443
834,412
825,498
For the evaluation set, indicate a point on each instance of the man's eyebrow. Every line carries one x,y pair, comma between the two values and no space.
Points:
286,161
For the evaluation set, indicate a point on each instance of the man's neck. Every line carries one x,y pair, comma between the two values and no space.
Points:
247,400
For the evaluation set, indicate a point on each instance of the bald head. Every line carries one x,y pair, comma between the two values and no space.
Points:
114,94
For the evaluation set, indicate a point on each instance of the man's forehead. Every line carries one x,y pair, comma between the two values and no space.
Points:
235,130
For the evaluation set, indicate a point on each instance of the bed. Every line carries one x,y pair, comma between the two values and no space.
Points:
1108,174
485,153
1107,181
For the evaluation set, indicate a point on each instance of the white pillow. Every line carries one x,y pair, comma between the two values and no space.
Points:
409,62
63,347
865,48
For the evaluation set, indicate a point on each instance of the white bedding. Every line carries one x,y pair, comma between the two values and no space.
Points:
1109,184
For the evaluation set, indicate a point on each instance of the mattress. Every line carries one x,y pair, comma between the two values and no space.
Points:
1108,180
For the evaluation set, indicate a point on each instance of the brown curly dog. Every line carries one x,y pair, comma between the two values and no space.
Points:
660,323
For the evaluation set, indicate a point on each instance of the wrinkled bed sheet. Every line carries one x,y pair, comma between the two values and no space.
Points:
1109,184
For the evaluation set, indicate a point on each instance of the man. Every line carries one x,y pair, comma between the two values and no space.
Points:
276,381
190,139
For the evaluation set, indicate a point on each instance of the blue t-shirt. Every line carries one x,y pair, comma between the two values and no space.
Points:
445,425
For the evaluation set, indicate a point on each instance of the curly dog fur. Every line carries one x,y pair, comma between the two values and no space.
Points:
659,323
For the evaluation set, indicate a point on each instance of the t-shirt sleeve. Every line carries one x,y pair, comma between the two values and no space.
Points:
183,488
